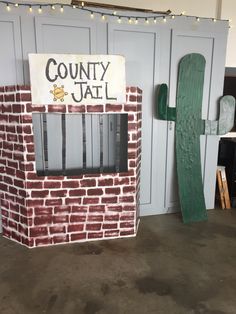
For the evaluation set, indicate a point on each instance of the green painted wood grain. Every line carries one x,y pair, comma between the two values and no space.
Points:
189,127
226,118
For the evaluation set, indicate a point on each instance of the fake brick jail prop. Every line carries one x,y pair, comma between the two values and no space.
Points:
46,210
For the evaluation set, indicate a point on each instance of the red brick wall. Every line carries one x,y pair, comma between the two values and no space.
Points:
38,211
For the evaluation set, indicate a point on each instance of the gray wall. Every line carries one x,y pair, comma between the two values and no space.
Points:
152,54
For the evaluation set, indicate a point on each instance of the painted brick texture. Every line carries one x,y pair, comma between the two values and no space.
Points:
48,210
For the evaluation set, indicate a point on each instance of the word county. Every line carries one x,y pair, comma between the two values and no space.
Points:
84,75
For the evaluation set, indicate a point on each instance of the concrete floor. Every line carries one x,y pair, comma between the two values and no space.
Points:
169,268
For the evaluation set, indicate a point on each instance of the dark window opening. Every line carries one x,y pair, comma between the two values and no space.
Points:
72,144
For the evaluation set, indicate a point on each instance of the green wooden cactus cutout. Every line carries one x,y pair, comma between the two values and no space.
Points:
189,127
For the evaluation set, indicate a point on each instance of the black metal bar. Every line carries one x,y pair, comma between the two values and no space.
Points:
84,141
63,129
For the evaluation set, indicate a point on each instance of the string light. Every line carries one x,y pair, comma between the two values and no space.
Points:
82,6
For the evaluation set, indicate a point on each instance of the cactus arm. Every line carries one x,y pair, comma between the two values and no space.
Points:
226,119
227,112
164,112
161,103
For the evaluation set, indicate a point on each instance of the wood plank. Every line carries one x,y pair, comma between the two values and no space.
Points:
88,139
225,188
74,142
96,140
123,162
220,188
105,142
189,127
118,7
38,141
112,141
54,141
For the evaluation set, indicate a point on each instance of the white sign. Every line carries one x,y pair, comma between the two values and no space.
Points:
77,79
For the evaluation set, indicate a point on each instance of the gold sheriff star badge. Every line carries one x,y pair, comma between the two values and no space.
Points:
58,92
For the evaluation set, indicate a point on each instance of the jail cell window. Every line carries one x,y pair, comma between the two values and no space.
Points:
75,144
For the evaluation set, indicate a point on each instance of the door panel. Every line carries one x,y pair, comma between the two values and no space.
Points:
138,45
65,36
11,64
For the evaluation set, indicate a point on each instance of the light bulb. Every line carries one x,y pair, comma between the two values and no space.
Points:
53,7
164,19
74,6
136,20
103,17
16,5
62,9
91,15
130,20
8,7
173,17
119,20
40,9
30,9
146,21
155,21
198,19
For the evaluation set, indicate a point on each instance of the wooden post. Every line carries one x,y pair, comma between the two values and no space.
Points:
223,188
